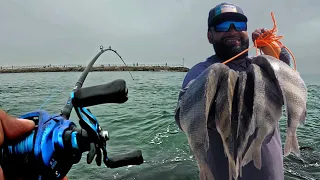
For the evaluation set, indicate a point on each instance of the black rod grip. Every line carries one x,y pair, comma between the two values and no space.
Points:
131,158
113,92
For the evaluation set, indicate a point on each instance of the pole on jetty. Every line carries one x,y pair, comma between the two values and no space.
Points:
183,62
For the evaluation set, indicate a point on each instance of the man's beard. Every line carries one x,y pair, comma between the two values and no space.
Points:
225,52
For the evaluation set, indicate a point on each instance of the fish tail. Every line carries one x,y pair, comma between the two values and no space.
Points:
291,144
257,158
238,166
230,172
253,154
205,172
248,155
233,171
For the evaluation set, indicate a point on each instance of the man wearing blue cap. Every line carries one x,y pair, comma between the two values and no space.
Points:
227,32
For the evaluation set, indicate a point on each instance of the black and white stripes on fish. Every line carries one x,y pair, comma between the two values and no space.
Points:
254,98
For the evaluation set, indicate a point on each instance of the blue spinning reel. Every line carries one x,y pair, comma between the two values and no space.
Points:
56,143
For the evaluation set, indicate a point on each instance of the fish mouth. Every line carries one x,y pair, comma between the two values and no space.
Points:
232,40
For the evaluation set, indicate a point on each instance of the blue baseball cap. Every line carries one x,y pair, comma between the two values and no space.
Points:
225,11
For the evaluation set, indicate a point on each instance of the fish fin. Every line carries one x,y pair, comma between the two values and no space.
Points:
238,166
233,172
230,171
303,117
253,154
291,144
205,173
257,158
248,155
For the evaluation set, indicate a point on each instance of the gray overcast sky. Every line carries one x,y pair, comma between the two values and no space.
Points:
144,31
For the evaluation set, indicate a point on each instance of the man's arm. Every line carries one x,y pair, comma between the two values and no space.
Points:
285,56
191,76
177,110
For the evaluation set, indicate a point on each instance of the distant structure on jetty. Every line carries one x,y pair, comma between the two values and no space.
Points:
98,67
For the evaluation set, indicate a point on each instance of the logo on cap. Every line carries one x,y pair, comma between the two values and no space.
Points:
226,8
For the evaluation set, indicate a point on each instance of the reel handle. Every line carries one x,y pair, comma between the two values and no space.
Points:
112,92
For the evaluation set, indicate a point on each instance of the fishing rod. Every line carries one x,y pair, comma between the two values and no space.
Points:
56,143
66,111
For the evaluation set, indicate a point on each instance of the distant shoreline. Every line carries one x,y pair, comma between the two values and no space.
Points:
96,68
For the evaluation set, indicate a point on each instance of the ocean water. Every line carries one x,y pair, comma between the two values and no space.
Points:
146,122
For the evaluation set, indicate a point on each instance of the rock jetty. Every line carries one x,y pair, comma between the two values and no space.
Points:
62,68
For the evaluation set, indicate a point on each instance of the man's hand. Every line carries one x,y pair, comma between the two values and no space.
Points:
258,32
275,48
12,128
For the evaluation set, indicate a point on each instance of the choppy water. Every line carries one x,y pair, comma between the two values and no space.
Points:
145,122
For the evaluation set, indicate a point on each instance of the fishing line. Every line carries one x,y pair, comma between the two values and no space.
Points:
48,99
101,48
86,71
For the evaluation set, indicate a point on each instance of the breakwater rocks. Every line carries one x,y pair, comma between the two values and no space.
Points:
97,68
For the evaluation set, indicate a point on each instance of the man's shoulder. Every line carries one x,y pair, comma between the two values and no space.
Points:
197,69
